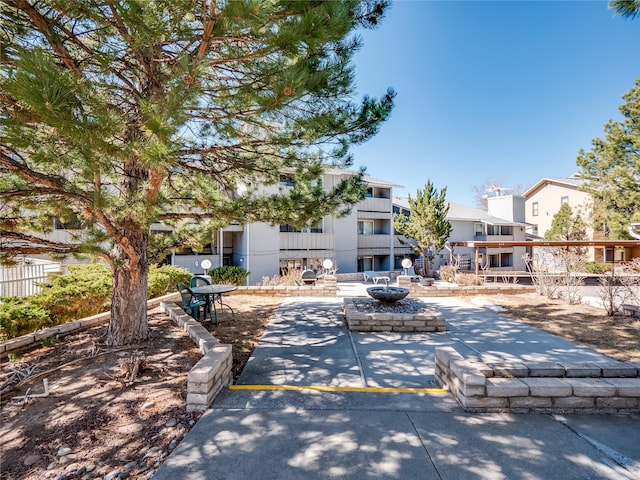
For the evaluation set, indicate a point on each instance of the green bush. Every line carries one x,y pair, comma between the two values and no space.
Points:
84,291
19,316
229,275
163,280
597,268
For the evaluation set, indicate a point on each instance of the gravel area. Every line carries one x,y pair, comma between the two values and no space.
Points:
407,305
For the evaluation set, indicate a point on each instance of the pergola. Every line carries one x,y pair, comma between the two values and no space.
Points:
547,243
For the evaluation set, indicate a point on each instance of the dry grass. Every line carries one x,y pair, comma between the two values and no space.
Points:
617,337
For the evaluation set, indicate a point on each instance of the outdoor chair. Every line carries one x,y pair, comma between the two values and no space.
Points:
210,299
374,277
190,303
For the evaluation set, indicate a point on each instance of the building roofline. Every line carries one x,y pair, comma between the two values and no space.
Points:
565,182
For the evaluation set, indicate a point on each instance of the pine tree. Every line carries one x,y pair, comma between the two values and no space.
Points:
122,114
612,170
566,226
426,224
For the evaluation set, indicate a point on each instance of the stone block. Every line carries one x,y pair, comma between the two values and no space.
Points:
196,408
548,387
206,367
506,387
510,369
482,402
446,354
618,369
545,369
529,402
18,342
625,403
483,368
197,387
626,387
573,402
581,370
200,398
591,387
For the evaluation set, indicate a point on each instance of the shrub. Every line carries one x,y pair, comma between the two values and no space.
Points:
448,273
468,280
597,268
163,280
229,275
19,316
83,291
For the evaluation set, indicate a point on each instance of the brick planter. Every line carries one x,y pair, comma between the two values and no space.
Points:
427,321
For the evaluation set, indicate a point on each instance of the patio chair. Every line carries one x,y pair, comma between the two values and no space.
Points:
190,303
374,277
210,299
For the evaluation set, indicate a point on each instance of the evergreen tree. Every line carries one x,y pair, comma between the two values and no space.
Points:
612,170
426,224
566,226
122,114
626,8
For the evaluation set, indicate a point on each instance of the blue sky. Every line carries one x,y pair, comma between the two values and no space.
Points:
498,89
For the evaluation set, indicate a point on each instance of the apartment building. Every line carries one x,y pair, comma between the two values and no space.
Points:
503,221
362,240
543,201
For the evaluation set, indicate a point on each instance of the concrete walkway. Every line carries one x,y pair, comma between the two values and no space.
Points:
316,401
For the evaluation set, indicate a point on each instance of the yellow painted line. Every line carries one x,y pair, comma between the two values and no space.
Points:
320,388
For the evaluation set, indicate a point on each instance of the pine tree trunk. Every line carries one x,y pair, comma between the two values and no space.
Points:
128,323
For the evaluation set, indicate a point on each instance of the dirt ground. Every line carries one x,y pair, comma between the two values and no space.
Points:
100,420
96,421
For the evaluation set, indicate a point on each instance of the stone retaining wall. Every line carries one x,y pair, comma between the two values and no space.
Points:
428,321
324,287
418,290
545,387
213,371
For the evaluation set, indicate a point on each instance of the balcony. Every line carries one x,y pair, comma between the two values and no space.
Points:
382,205
306,241
374,241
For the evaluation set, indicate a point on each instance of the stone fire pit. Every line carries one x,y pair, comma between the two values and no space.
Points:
388,294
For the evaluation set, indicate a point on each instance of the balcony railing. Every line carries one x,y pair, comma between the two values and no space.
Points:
306,241
376,205
374,241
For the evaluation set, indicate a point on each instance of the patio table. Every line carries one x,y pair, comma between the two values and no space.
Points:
215,292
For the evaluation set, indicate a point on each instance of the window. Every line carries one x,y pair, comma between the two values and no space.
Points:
534,209
365,264
313,228
369,193
286,180
564,200
493,230
479,231
506,230
365,227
